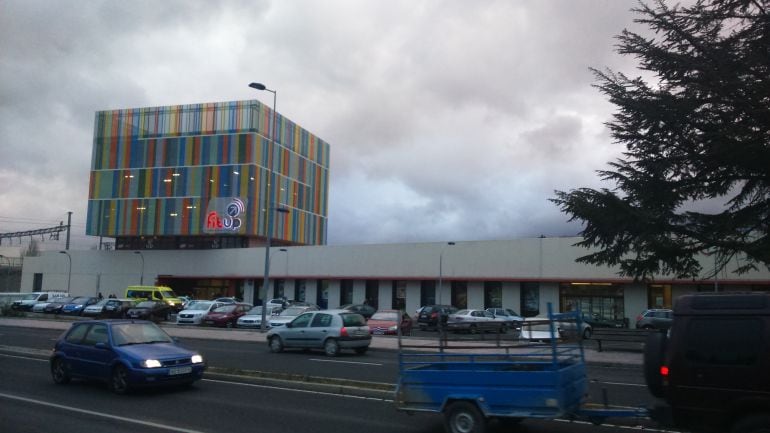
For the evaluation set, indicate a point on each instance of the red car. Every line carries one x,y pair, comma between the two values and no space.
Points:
387,322
226,315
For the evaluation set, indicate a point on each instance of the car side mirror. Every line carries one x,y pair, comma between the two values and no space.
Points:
288,325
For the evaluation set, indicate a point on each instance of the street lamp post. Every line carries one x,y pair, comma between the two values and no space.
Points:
268,205
440,273
69,272
141,276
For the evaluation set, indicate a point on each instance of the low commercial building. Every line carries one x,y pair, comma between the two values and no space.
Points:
522,274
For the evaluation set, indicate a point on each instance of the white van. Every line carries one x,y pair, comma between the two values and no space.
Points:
28,300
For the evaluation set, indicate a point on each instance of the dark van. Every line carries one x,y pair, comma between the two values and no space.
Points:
712,368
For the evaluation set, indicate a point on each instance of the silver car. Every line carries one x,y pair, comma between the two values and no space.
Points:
330,330
253,318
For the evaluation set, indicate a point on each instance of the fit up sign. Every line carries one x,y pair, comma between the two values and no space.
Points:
225,215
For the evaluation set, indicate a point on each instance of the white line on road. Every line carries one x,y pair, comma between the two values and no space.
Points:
620,383
345,362
103,415
305,391
23,357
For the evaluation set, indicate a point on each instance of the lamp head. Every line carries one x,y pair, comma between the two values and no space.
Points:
258,86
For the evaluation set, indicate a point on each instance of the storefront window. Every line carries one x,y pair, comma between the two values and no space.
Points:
372,293
530,299
346,292
399,295
427,292
460,294
493,294
299,290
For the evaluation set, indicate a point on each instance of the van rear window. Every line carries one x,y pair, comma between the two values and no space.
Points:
728,342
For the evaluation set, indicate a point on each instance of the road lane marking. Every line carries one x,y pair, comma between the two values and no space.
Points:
345,362
23,357
620,383
102,415
305,391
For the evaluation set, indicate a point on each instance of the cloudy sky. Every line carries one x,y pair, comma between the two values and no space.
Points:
447,120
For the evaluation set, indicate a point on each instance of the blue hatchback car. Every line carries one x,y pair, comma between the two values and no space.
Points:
125,354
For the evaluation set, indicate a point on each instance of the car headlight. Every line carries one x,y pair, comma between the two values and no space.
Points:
151,363
196,359
393,328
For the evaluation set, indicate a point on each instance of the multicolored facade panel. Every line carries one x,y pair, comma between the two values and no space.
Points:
203,169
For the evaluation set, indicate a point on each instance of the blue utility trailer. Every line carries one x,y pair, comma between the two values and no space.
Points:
472,381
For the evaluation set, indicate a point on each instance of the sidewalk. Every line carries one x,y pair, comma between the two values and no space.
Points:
607,357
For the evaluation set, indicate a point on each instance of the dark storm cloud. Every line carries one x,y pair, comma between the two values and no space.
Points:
447,119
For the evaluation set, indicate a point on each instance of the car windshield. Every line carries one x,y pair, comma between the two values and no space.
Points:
352,319
101,303
292,312
462,312
258,310
392,316
138,333
200,306
29,297
145,304
80,300
224,309
168,294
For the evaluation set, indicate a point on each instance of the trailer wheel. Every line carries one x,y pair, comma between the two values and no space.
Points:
464,417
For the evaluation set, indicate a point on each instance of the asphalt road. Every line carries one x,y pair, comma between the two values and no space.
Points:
623,386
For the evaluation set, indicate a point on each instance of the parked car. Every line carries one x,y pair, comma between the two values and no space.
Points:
94,310
124,354
656,318
54,307
710,372
157,311
29,300
365,310
303,304
472,320
279,303
598,321
288,315
226,315
330,330
508,315
76,306
195,312
431,315
253,317
538,329
228,300
388,322
569,330
39,307
117,308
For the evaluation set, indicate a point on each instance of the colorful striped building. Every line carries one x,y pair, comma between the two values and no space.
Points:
196,177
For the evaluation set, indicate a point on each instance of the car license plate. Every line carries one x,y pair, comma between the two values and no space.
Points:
378,332
179,370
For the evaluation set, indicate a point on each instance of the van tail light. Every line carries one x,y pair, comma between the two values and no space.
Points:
343,332
664,371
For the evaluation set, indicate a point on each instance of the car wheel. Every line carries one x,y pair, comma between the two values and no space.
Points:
504,329
464,417
119,380
759,423
331,347
59,372
654,357
587,333
276,345
361,350
472,329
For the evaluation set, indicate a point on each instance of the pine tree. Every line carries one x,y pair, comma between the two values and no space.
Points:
700,133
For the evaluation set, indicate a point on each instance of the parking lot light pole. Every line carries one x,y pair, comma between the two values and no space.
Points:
141,276
268,204
69,272
440,273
